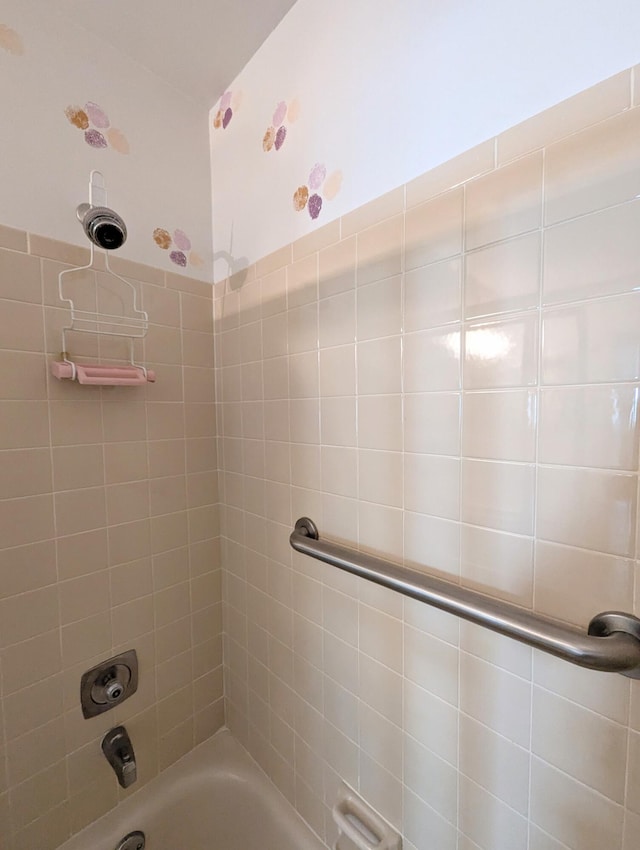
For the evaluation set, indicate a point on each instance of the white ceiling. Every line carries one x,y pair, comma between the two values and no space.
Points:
199,46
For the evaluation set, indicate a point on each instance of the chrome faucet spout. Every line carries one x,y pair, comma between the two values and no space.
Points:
118,750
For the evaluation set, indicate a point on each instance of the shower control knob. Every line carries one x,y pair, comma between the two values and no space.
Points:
114,691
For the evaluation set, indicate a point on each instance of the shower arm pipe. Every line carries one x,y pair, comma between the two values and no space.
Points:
611,643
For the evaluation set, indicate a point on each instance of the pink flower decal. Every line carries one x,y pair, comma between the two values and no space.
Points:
93,120
227,107
312,195
283,115
181,253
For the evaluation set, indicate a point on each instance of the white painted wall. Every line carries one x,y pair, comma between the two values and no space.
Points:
390,88
44,161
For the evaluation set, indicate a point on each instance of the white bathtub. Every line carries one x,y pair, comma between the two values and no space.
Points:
215,798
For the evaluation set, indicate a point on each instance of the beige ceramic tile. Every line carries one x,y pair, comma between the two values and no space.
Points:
433,231
337,267
136,271
458,170
78,466
29,662
22,375
593,169
570,116
19,275
302,281
500,425
380,251
12,238
381,208
379,364
26,520
594,509
26,568
432,485
316,240
501,353
25,472
432,295
162,305
83,553
589,426
498,495
497,564
592,256
379,309
22,326
431,360
42,246
277,260
571,583
187,284
504,203
503,278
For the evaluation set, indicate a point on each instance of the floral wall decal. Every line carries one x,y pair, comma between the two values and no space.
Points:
230,103
276,133
317,188
95,123
180,245
11,41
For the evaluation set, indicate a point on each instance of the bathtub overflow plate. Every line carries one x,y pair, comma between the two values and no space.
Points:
132,841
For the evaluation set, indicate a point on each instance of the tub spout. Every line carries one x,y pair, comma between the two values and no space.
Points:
118,749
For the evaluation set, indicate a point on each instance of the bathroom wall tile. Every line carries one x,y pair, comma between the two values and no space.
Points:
381,208
431,543
421,819
601,101
431,423
592,256
26,663
380,422
337,317
497,563
338,421
28,615
461,168
503,278
431,360
570,811
12,238
380,688
380,366
495,698
318,239
19,273
432,295
432,485
500,425
592,342
337,268
380,477
23,424
338,371
504,203
78,466
80,510
559,729
274,293
575,506
508,777
302,328
25,568
26,472
431,663
567,581
26,520
498,495
380,251
433,231
501,354
23,376
590,426
431,721
487,820
302,281
593,169
80,554
379,309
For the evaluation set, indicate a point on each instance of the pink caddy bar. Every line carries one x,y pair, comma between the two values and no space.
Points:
104,376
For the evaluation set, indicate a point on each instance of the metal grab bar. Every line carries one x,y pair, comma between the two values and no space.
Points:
612,642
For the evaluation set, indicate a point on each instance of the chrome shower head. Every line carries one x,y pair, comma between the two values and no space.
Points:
104,227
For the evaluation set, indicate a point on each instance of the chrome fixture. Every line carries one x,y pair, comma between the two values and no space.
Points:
612,642
104,227
118,750
132,841
109,683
